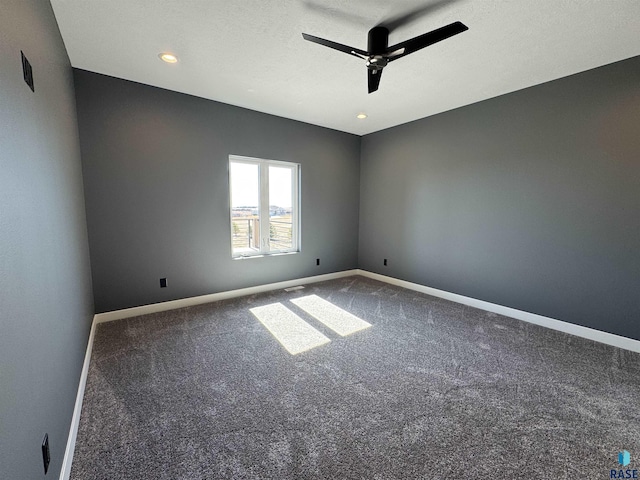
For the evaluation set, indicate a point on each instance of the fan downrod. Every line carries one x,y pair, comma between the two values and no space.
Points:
378,40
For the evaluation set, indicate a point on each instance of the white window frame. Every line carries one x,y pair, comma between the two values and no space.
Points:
263,207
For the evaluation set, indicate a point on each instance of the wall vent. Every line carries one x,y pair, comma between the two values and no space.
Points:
292,289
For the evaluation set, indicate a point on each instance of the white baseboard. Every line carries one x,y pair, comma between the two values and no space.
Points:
214,297
566,327
77,410
577,330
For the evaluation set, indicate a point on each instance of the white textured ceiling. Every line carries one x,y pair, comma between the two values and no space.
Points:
251,53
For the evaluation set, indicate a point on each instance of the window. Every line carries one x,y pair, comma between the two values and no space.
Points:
265,213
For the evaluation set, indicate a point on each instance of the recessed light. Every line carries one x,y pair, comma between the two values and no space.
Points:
361,116
168,57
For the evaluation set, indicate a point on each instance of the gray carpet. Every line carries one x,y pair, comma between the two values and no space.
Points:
432,390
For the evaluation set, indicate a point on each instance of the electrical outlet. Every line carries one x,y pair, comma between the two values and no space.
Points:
46,455
385,262
317,261
27,72
163,283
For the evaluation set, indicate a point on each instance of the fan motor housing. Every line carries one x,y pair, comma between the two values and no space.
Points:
376,62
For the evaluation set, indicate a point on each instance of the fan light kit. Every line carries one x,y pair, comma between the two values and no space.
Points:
168,57
379,54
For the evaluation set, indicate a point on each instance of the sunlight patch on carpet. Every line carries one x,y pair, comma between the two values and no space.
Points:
289,329
334,317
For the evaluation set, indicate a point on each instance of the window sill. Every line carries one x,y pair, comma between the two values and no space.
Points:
264,255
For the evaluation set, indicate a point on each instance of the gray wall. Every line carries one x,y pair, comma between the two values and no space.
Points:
155,166
529,200
46,303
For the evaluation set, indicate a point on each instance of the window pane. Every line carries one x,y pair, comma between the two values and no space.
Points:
245,192
264,200
281,234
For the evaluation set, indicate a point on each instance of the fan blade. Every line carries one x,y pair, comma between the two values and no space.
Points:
417,43
373,77
395,53
336,46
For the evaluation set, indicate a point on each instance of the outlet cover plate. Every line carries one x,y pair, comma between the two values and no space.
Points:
46,454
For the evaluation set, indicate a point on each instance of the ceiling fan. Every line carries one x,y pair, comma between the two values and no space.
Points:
379,54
